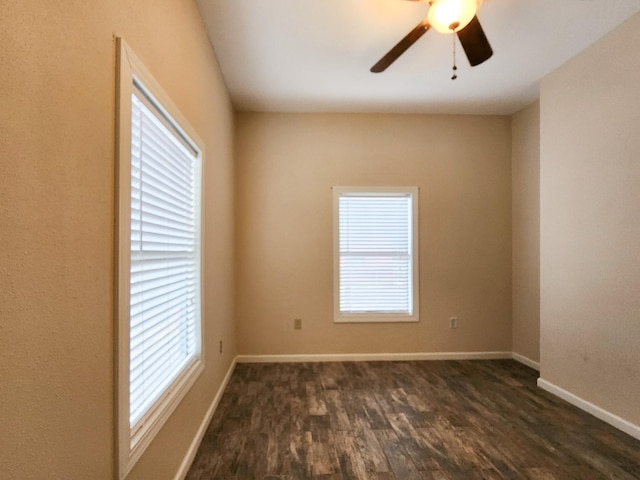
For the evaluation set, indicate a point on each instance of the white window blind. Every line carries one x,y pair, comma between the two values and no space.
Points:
375,253
165,257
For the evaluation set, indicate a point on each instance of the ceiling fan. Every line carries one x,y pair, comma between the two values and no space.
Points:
446,16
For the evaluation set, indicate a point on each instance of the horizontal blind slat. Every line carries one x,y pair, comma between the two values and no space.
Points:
145,394
164,272
375,269
155,347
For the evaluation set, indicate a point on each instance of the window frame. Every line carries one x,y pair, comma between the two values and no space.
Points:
132,442
370,317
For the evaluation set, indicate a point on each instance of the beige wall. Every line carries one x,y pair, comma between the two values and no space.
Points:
590,224
525,218
286,166
57,93
57,88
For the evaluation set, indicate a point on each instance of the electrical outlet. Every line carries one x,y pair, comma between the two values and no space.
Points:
297,324
220,346
453,322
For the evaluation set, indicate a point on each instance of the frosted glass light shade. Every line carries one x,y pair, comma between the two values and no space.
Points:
445,13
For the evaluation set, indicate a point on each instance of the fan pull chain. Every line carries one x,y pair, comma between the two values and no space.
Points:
455,68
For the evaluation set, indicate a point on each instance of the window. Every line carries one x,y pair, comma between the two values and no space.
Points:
375,254
159,351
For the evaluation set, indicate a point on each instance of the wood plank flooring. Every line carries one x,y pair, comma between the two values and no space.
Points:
436,420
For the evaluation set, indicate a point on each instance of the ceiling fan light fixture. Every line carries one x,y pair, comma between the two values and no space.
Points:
448,16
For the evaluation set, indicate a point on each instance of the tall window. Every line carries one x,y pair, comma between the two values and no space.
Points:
159,314
375,254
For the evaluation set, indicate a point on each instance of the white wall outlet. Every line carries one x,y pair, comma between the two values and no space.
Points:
453,322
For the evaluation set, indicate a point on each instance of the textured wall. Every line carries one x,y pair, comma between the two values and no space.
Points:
57,94
525,217
286,166
590,224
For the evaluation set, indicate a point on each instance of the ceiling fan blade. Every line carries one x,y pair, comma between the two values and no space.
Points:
475,43
401,47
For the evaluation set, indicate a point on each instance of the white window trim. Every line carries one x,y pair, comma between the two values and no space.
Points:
339,317
131,445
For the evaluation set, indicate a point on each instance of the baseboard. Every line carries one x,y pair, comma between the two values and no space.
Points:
604,415
372,357
526,361
195,444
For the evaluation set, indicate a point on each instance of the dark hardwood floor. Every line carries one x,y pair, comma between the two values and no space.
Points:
436,420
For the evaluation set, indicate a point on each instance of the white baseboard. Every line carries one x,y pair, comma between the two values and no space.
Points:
526,361
195,444
372,357
604,415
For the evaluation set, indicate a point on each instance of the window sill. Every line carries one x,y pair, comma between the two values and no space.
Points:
372,318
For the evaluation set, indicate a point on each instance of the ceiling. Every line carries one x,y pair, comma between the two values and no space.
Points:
315,55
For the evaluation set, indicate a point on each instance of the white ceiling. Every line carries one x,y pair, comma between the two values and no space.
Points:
315,55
